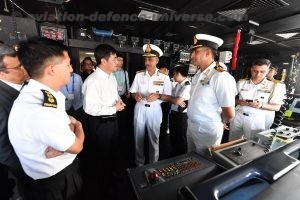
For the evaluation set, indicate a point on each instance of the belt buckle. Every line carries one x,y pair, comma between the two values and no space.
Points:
147,105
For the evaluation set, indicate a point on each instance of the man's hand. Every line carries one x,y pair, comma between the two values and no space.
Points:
137,96
255,104
50,152
242,102
127,95
153,97
120,105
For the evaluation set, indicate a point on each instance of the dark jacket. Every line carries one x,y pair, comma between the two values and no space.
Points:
7,154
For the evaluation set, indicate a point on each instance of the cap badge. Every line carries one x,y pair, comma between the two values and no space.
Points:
195,40
148,48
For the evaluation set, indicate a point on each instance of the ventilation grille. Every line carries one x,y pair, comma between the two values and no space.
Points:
236,14
239,9
256,4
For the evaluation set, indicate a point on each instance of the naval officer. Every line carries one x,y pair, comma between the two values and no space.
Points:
212,99
149,88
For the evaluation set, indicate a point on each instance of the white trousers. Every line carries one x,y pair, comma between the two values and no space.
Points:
246,125
150,118
202,135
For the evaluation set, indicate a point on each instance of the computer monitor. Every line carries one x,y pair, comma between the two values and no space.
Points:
295,108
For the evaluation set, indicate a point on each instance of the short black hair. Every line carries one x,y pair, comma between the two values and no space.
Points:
35,52
103,51
119,54
6,50
87,58
183,69
261,61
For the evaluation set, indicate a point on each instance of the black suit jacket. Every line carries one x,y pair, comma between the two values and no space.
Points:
7,154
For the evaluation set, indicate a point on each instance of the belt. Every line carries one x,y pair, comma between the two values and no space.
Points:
178,113
107,116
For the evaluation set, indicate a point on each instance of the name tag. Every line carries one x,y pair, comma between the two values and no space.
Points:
265,91
158,83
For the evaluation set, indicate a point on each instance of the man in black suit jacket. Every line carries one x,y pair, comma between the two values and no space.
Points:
12,77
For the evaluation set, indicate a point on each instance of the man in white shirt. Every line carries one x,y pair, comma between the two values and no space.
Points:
101,102
258,98
212,99
149,88
38,123
178,115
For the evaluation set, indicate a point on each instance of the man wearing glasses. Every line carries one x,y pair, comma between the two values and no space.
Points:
12,76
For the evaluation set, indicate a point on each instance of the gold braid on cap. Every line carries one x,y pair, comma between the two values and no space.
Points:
195,40
148,48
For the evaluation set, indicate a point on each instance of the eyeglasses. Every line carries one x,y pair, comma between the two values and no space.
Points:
19,66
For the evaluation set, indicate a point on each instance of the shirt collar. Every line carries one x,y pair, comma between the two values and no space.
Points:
102,73
39,85
155,73
209,69
184,81
13,85
264,82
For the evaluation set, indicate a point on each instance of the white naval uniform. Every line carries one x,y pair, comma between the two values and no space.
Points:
181,90
280,90
248,120
33,127
210,90
148,114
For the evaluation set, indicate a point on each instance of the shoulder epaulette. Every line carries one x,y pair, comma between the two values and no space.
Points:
163,72
140,71
219,68
277,81
49,99
187,83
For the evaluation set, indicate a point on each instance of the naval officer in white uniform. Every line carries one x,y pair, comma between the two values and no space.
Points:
257,98
212,99
149,88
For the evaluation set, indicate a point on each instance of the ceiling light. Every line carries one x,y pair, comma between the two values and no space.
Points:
256,42
286,35
192,26
89,53
253,22
285,63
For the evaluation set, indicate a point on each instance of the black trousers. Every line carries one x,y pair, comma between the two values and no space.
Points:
178,127
6,187
65,185
101,150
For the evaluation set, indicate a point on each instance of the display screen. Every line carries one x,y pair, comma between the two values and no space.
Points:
54,33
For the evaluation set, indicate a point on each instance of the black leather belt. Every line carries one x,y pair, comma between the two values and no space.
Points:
107,116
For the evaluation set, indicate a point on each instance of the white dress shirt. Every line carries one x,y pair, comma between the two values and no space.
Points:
100,93
181,90
33,127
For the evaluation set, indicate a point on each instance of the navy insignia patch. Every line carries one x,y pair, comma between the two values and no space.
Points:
49,99
219,68
187,83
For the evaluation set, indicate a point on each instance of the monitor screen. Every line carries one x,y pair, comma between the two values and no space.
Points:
295,106
54,32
